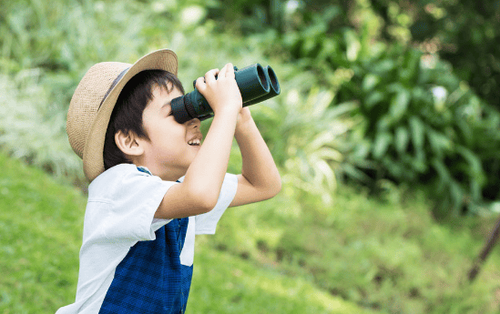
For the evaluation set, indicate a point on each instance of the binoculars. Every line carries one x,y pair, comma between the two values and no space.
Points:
255,82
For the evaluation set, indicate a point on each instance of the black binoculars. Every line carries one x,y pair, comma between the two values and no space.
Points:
255,82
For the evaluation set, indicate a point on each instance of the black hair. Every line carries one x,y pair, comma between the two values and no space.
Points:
127,114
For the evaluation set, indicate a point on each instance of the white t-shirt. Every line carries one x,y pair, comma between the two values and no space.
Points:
120,212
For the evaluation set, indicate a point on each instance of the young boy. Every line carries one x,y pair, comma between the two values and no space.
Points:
153,185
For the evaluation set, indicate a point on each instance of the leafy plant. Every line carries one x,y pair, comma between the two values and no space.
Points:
46,49
305,134
420,123
31,129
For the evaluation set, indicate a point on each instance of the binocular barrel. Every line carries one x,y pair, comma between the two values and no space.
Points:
255,83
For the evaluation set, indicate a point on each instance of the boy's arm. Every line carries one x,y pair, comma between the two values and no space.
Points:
199,191
259,179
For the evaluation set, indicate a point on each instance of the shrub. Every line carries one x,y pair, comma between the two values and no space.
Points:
423,125
420,123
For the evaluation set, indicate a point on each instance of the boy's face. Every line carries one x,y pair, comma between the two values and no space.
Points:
172,146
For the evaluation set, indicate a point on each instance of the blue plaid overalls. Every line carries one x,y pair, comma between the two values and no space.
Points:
151,279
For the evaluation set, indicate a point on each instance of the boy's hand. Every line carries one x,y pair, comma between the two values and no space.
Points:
259,179
200,190
222,93
244,119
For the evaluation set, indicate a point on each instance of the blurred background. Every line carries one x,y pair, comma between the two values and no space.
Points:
386,134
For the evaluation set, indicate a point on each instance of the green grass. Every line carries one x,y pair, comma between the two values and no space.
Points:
40,228
287,255
40,235
224,283
385,253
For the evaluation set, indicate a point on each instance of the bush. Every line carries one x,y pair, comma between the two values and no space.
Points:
423,125
32,129
420,123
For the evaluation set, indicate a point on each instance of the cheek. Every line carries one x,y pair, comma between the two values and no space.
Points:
168,139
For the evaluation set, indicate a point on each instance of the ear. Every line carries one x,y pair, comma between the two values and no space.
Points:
129,143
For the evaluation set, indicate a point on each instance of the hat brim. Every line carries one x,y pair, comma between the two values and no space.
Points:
93,160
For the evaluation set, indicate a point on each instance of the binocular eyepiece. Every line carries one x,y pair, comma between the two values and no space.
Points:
255,82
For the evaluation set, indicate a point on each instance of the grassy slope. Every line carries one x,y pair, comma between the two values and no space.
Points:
281,256
386,253
40,228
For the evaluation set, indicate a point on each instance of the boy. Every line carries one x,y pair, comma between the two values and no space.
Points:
153,185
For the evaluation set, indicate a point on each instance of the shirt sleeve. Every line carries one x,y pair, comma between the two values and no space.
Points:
124,202
207,223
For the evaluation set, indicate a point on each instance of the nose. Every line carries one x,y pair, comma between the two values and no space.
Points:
195,123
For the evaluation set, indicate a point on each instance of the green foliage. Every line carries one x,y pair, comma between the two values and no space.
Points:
32,128
386,254
465,33
423,125
46,49
33,125
420,123
72,35
41,226
304,134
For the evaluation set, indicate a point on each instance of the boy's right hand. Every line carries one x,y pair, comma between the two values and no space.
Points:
200,190
222,93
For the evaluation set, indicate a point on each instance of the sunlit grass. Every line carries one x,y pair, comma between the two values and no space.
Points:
40,228
385,252
41,225
281,256
224,283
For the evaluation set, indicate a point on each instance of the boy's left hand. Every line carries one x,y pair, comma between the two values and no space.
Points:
259,178
244,117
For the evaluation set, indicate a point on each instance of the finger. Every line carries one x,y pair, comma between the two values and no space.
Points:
210,75
223,71
230,70
200,83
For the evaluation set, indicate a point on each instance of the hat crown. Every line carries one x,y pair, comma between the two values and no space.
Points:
86,101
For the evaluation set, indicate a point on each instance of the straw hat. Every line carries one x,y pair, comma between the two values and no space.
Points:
93,102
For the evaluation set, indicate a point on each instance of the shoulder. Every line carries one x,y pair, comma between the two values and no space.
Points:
116,173
124,179
111,175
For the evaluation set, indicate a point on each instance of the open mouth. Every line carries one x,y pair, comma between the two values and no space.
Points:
194,142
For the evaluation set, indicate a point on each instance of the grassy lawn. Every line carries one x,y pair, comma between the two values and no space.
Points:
362,255
385,253
224,283
40,227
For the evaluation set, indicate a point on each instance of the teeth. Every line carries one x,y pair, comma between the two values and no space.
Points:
194,142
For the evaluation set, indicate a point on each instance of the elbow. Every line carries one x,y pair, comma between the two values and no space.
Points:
206,206
276,184
273,188
276,187
203,201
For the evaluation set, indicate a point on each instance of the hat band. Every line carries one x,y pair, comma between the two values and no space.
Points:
117,79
